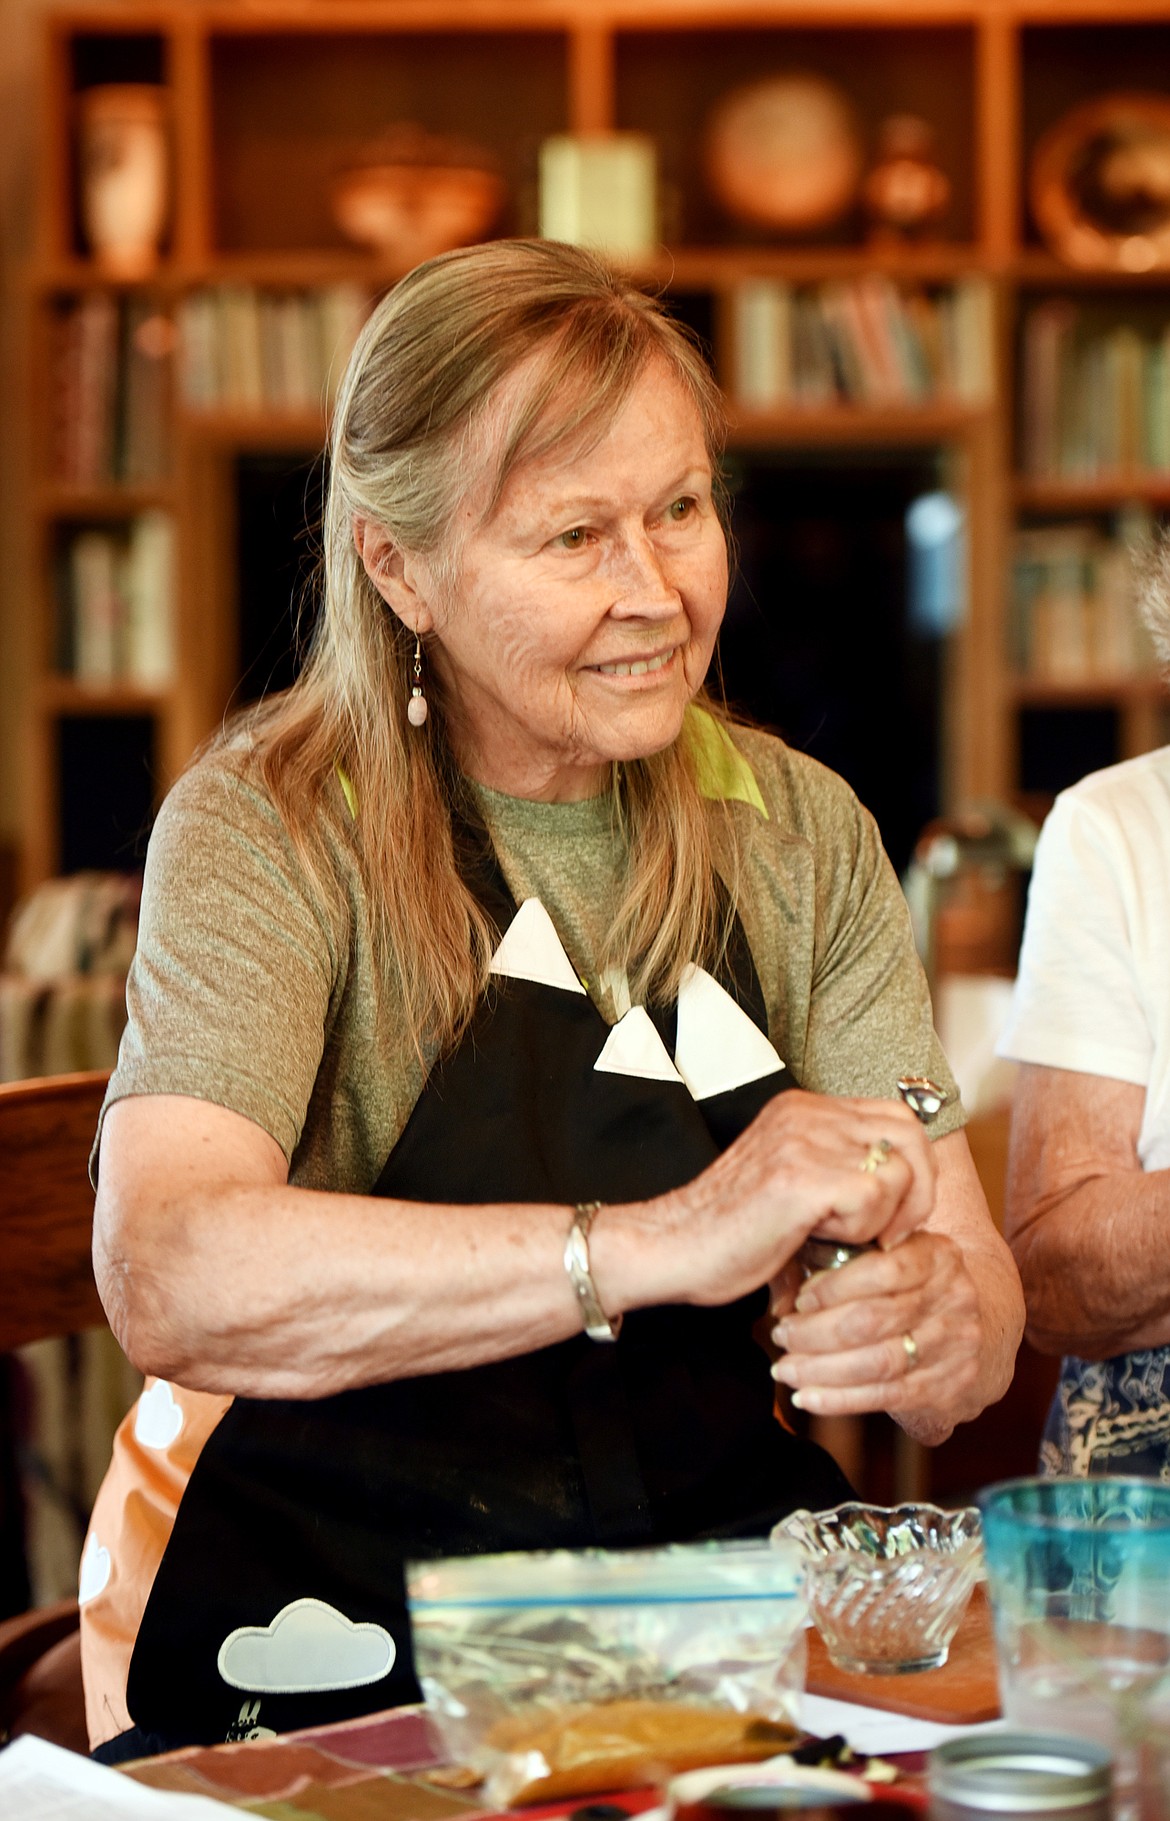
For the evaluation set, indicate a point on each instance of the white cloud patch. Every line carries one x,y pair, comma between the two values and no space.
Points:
158,1419
95,1570
308,1648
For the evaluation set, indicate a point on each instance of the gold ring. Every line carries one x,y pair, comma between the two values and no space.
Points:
910,1348
877,1154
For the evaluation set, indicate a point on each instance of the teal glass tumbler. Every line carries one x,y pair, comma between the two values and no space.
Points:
1078,1573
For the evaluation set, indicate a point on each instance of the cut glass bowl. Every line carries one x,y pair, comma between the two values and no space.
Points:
887,1585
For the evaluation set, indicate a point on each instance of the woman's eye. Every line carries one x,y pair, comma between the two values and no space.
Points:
574,539
680,509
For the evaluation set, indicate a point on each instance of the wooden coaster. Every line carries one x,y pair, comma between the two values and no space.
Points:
963,1691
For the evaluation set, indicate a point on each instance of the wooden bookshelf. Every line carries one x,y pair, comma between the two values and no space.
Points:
266,102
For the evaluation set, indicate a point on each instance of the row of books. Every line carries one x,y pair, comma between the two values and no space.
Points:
111,367
238,348
116,603
1095,398
244,349
1075,602
864,341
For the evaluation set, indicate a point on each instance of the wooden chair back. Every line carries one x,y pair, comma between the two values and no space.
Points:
46,1289
46,1207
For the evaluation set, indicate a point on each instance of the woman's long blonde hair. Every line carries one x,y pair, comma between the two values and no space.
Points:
408,445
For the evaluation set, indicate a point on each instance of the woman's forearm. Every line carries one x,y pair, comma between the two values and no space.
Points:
1086,1224
963,1213
1093,1264
218,1274
274,1291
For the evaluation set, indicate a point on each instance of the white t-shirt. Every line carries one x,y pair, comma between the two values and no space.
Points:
1093,990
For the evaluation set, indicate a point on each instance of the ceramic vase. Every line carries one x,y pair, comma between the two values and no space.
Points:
124,175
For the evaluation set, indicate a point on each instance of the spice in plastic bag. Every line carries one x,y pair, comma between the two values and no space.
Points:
567,1672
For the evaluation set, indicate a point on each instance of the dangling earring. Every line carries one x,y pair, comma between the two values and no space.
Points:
416,708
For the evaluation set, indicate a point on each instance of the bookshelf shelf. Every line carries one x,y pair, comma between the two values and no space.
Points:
298,270
1029,692
1099,495
1034,270
715,268
686,268
269,101
258,431
65,696
856,424
72,277
57,500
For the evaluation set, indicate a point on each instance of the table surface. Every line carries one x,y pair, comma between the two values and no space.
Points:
371,1769
376,1768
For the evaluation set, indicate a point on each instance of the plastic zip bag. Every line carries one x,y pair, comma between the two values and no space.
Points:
566,1672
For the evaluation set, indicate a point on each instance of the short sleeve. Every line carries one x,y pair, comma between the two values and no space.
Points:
1078,1002
848,1003
229,992
870,1016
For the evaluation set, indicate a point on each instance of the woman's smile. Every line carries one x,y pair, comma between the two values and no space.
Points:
635,667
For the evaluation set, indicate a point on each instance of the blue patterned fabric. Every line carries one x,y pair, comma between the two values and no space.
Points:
1111,1416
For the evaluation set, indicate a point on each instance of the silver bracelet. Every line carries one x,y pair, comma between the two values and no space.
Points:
598,1325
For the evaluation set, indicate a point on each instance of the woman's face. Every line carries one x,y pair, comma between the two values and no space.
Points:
586,606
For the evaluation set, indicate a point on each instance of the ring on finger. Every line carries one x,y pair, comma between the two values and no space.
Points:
910,1349
876,1156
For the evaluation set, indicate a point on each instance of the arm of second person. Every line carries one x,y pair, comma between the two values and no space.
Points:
1086,1223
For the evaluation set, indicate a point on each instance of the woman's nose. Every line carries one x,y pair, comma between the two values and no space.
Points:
643,583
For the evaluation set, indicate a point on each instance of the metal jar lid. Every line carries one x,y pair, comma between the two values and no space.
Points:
828,1254
1020,1772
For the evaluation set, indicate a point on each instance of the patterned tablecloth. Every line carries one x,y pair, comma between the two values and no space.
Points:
373,1769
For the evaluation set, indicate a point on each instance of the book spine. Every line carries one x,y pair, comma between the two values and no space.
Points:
199,376
872,302
1045,357
97,367
762,333
301,363
343,311
974,316
905,318
97,606
238,324
149,657
1157,403
149,342
64,447
1128,363
835,316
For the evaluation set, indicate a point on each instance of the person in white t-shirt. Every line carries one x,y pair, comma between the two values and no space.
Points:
1088,1192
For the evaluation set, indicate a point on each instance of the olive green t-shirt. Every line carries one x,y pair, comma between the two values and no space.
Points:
249,991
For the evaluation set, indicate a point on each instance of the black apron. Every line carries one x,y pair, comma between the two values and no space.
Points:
280,1599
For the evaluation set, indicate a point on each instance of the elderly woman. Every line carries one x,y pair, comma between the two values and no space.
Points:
456,1137
1089,1170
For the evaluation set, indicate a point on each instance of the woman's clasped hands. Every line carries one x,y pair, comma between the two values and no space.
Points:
898,1328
